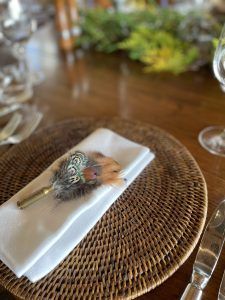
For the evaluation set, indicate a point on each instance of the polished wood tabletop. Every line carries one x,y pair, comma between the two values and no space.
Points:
79,84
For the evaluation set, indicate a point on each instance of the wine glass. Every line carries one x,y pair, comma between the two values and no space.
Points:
213,138
17,26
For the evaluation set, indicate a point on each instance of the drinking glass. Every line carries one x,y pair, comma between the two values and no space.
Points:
17,26
213,138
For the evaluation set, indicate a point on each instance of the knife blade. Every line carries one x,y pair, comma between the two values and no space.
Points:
221,295
208,254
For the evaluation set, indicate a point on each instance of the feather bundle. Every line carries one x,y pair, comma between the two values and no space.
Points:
78,175
81,173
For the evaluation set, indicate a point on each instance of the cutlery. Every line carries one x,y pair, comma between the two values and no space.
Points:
11,126
25,131
208,254
221,295
8,109
21,98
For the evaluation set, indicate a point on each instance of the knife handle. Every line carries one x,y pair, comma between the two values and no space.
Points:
192,293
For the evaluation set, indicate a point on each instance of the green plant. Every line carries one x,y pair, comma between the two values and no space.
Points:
159,50
162,39
103,29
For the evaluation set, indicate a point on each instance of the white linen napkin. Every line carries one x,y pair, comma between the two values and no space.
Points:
33,241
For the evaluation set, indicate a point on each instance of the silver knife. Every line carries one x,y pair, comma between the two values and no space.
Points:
208,254
221,295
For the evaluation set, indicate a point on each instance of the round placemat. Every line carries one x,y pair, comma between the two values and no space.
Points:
140,241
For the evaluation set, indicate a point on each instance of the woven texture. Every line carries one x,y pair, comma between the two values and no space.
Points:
140,241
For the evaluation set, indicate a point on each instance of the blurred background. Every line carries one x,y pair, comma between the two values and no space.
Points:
160,62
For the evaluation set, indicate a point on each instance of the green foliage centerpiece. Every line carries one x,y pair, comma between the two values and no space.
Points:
161,38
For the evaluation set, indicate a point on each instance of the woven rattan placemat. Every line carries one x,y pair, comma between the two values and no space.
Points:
142,239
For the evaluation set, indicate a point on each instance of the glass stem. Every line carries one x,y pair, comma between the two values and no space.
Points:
19,51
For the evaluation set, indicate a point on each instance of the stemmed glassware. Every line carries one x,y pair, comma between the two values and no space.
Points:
213,138
17,26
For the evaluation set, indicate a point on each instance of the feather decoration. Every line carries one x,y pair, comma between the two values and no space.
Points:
77,176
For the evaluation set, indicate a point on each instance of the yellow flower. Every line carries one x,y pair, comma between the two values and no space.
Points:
165,60
137,4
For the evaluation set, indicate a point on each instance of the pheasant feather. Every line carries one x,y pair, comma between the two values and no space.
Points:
78,175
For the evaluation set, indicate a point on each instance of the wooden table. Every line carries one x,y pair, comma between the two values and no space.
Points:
110,85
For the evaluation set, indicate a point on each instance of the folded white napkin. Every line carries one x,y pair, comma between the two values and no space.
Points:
33,241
